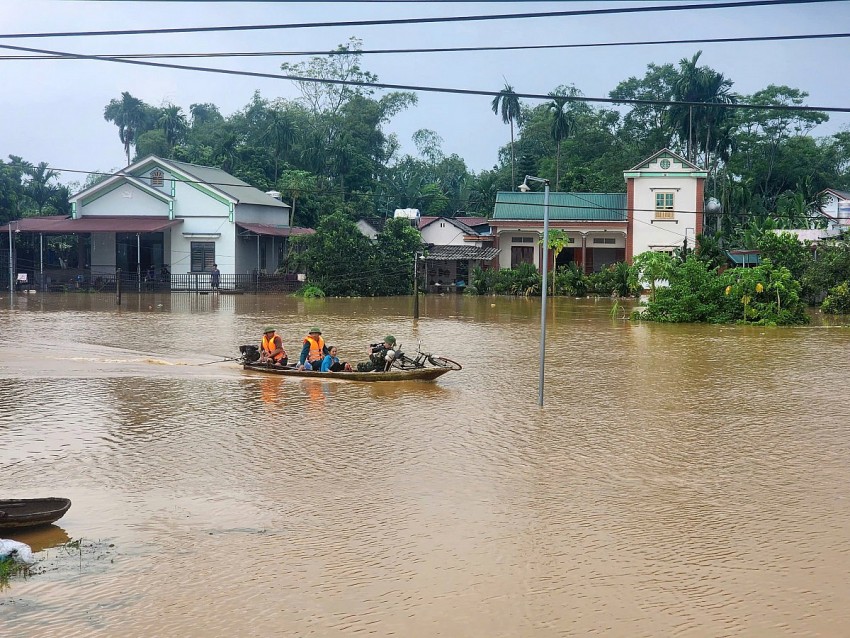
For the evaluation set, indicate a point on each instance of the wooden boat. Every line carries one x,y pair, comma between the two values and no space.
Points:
29,512
418,374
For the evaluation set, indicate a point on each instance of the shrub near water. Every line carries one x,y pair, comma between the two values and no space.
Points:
838,300
765,295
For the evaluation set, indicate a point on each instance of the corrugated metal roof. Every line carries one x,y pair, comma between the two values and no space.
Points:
450,253
276,231
227,183
67,226
603,207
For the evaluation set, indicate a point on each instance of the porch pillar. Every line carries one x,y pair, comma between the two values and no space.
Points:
41,261
584,253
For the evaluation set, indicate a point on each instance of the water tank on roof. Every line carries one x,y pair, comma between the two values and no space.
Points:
844,212
275,194
407,213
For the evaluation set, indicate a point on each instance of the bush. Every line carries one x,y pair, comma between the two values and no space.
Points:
765,295
837,302
571,281
310,291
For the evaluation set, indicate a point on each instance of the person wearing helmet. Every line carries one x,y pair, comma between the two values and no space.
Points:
313,351
380,358
271,348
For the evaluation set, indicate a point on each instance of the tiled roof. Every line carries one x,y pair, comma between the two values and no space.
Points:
562,206
450,253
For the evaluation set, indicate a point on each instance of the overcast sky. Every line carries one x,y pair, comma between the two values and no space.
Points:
52,110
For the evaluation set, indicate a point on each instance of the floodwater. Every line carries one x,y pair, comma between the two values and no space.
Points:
679,480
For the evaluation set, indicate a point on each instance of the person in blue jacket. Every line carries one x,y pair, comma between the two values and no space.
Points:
331,362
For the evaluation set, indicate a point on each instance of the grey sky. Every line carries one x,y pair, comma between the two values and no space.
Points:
53,110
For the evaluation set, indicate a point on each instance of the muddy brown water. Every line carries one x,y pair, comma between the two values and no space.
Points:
680,480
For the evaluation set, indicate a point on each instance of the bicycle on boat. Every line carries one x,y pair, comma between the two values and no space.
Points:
422,360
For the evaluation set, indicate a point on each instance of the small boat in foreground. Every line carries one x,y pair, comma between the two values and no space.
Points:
393,374
30,512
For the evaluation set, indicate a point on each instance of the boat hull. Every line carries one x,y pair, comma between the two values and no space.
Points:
419,374
31,512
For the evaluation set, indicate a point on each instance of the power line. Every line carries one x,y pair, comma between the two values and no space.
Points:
433,89
519,47
409,21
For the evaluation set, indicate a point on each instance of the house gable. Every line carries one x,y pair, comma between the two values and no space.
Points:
665,163
121,195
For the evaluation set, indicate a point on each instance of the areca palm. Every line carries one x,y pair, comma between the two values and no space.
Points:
700,126
128,114
506,104
562,125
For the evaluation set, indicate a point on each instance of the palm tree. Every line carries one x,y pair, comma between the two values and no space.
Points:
506,104
173,123
562,125
128,114
700,126
38,187
279,132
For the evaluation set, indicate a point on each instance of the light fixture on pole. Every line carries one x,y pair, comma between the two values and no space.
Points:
524,188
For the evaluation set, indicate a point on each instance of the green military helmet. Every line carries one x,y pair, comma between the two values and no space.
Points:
390,340
315,329
268,329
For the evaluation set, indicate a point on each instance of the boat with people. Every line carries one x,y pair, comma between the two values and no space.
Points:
396,367
393,374
31,512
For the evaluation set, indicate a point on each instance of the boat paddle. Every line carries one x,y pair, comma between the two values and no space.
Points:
223,360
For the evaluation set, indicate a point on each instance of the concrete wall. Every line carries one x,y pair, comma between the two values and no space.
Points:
256,214
650,233
127,200
443,233
103,254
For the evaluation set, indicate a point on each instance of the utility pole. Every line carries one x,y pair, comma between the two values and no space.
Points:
416,285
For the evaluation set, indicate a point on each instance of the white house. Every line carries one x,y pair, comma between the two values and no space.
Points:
456,246
159,212
661,208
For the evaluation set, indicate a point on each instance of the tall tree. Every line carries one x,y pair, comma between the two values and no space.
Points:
129,115
38,186
506,104
173,123
562,125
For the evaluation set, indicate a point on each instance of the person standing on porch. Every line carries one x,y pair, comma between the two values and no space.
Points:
215,277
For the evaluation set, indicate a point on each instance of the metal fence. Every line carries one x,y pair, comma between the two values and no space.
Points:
131,282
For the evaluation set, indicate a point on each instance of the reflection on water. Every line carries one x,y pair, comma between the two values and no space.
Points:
38,538
679,480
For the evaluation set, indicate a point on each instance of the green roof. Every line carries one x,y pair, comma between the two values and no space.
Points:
597,207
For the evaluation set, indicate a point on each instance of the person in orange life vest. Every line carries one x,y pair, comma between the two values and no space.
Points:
271,348
313,351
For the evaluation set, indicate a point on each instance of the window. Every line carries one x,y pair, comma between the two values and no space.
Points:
522,240
157,179
203,256
664,206
604,240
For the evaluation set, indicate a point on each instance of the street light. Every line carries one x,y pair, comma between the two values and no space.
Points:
524,188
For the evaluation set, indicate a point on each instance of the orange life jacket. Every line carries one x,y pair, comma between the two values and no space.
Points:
270,345
317,347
